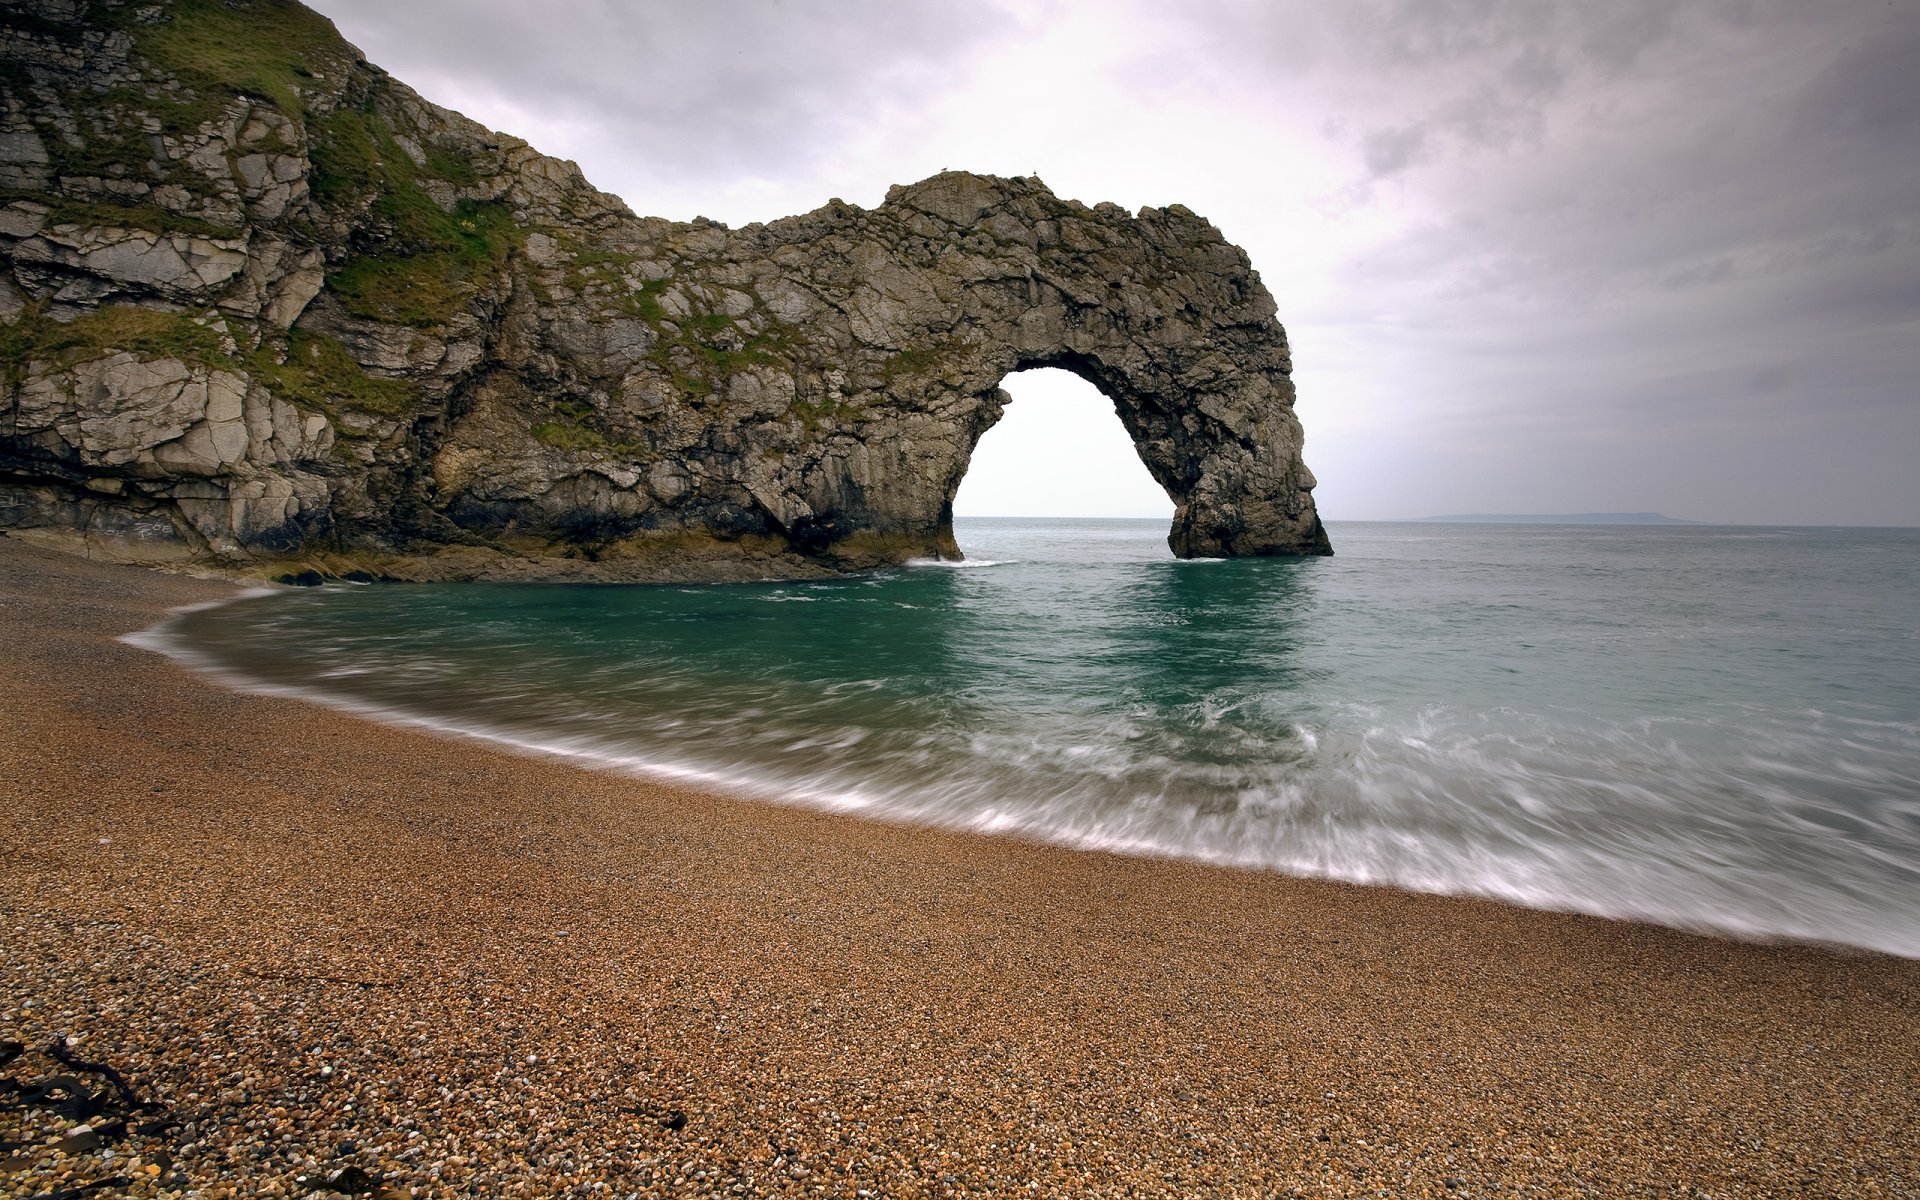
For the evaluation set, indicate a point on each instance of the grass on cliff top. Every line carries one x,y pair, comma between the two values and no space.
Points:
418,263
219,50
262,48
222,52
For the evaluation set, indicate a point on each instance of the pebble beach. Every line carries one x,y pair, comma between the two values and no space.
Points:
296,953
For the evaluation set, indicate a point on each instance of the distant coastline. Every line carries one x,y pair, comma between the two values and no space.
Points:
1602,518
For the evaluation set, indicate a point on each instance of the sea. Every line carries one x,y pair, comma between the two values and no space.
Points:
1709,727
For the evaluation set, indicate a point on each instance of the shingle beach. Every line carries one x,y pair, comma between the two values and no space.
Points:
329,956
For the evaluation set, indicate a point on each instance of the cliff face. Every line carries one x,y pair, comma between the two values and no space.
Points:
266,309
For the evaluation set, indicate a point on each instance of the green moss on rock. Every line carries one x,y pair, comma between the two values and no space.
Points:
64,210
320,374
468,250
567,435
142,332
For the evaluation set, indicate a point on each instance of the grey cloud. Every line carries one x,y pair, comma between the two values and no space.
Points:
1614,35
1715,270
1423,33
1529,37
679,90
1868,91
1621,223
1391,150
1475,74
1712,232
1535,72
1770,379
1702,168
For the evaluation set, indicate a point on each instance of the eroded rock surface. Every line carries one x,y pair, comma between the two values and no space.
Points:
297,316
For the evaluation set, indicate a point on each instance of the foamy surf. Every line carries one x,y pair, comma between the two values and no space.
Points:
1410,714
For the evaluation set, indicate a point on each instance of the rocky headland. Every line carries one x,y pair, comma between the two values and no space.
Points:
268,311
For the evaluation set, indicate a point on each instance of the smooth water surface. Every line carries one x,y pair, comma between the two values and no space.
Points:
1714,727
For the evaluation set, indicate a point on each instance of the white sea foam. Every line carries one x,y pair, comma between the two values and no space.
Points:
157,638
1182,740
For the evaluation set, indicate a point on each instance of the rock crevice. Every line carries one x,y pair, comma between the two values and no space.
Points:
294,314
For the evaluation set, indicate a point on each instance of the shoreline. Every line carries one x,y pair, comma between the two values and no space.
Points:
793,1001
736,774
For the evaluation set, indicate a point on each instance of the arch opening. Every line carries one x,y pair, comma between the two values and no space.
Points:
1059,449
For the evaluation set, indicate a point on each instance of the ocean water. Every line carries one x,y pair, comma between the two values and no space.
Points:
1710,727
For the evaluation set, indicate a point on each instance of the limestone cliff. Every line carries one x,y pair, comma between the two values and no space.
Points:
266,309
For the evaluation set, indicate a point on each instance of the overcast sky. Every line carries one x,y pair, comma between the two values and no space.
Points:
1532,256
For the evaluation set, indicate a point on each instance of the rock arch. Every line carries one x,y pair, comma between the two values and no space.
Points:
927,303
373,336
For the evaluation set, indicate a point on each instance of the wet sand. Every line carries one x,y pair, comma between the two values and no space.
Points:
325,944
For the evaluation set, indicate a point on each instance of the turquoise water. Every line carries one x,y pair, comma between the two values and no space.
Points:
1713,727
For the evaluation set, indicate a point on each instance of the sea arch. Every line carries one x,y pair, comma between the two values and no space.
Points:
962,280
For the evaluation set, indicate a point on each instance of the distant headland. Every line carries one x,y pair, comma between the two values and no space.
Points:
1602,518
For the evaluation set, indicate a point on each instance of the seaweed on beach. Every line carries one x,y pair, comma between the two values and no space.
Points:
81,1189
69,1096
129,1099
101,1115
